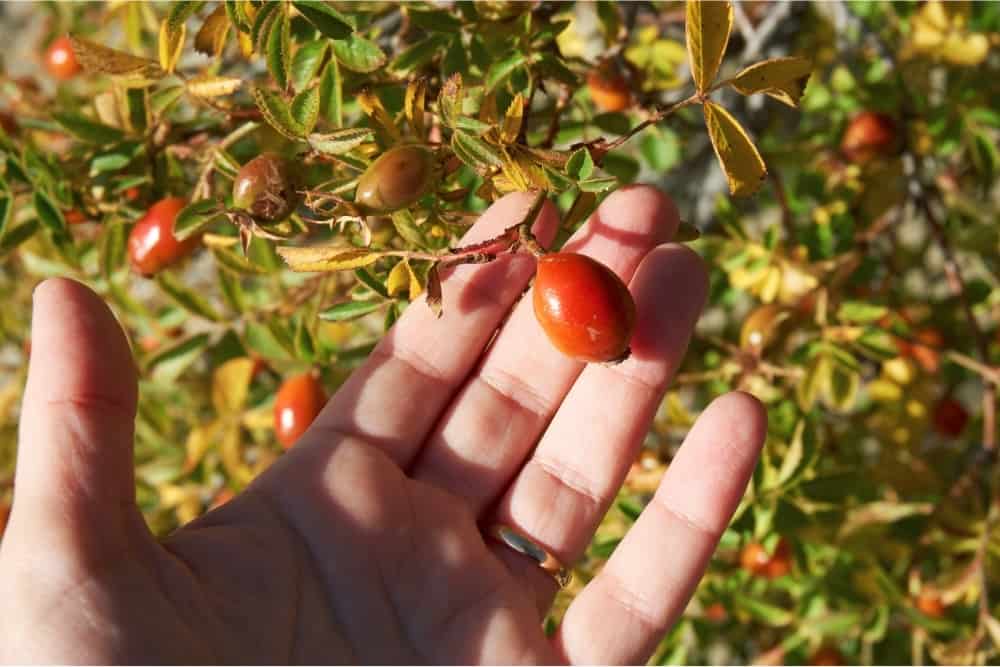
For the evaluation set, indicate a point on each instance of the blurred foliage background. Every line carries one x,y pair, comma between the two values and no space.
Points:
855,292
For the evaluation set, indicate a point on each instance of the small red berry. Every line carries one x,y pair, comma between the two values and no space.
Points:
584,307
152,245
930,604
300,398
869,135
60,61
754,558
950,417
75,216
608,88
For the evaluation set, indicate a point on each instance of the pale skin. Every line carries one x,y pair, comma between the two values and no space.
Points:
364,543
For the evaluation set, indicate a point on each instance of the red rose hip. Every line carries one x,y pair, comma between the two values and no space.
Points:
60,61
584,307
869,135
300,398
152,245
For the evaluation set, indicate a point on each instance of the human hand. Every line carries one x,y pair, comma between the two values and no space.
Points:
364,542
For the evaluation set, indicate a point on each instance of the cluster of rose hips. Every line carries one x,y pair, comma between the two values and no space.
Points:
584,308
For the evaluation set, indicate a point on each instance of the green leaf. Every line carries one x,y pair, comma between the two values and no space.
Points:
195,217
278,114
261,29
371,282
599,184
455,58
433,21
181,11
860,311
340,141
109,162
350,310
613,122
331,94
305,346
88,130
307,61
501,70
236,263
112,249
6,208
473,151
168,364
327,20
419,54
164,98
580,165
762,611
49,214
237,16
279,54
661,149
263,339
407,228
186,298
305,109
17,235
359,54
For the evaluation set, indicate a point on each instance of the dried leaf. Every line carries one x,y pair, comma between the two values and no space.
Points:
784,79
434,292
744,167
208,86
707,26
95,57
211,37
327,258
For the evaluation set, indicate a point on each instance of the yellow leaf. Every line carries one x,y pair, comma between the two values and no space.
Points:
95,57
199,441
206,85
231,451
327,258
415,285
784,79
246,44
512,120
416,96
230,385
171,44
744,167
398,279
940,29
707,26
372,106
211,37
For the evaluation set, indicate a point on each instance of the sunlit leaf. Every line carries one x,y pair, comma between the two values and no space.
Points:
743,165
307,61
350,310
340,141
186,297
207,85
327,258
474,152
231,385
327,20
512,120
278,113
171,44
305,109
358,54
168,364
784,79
708,24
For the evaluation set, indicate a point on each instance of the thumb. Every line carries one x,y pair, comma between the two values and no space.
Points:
74,463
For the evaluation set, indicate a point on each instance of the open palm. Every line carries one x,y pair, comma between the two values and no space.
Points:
365,542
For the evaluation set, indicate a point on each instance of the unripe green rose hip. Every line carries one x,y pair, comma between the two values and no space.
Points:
398,178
